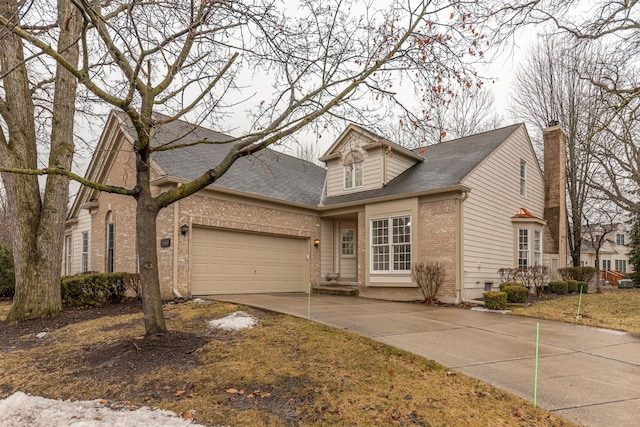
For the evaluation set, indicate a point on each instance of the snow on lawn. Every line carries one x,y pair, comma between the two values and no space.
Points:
21,410
234,322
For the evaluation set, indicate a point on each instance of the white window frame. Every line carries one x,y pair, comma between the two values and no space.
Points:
68,241
353,175
620,240
606,264
348,243
621,265
391,247
523,247
523,178
84,264
537,247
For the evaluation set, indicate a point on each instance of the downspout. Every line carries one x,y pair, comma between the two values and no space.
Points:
461,291
176,236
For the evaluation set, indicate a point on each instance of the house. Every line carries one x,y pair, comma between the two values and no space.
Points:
275,223
611,242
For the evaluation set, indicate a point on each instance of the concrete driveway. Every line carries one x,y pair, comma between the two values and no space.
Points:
590,376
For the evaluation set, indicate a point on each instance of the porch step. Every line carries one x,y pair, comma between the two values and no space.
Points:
348,291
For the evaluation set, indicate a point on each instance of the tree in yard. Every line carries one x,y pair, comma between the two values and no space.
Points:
31,89
634,244
185,59
548,87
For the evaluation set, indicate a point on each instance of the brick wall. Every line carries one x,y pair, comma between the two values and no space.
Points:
438,241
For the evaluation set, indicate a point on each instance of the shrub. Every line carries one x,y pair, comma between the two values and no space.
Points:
558,287
508,284
428,276
516,293
7,273
584,286
97,288
581,274
495,300
572,286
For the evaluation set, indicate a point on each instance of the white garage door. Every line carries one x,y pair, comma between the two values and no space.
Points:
230,262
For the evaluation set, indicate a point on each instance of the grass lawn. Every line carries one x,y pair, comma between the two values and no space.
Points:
285,371
614,309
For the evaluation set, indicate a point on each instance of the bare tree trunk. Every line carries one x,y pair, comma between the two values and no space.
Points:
146,219
39,223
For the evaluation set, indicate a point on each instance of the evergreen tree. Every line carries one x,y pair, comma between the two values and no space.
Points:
634,245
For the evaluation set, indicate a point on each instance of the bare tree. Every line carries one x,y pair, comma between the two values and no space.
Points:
34,92
333,60
601,219
548,87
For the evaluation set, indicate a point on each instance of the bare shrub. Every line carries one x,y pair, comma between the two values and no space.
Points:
429,276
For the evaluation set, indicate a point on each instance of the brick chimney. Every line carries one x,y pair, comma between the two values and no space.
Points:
555,202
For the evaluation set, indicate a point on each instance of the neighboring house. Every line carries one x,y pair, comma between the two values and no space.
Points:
275,223
613,252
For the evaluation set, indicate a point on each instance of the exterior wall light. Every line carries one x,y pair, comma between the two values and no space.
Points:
316,242
184,229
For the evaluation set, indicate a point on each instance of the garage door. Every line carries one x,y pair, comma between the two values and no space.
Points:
230,262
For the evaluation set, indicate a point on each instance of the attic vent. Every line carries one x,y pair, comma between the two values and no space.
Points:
351,157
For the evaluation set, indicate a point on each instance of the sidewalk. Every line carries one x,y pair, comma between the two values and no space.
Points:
587,375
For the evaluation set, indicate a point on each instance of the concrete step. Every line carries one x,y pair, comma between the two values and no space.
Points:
348,291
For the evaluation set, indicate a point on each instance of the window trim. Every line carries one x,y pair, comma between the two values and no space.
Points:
537,247
68,255
523,249
621,265
353,171
110,247
352,243
84,259
392,243
523,178
618,235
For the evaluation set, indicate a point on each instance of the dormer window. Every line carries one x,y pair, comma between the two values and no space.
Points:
353,170
353,175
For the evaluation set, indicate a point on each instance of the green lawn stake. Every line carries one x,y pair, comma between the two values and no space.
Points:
535,380
309,303
579,304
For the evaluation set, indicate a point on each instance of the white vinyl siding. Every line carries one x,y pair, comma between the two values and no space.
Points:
397,165
490,236
326,249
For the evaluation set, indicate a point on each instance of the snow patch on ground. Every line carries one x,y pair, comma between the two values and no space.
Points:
21,410
234,322
486,310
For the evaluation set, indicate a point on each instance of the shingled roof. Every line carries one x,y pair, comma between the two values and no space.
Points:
282,177
445,165
267,173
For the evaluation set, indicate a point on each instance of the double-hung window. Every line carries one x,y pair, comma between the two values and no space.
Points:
391,245
523,178
353,174
537,247
619,239
68,255
523,247
85,251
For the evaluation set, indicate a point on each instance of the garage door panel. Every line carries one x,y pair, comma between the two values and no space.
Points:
225,262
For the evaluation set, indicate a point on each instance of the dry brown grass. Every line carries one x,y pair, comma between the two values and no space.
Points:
286,371
613,309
